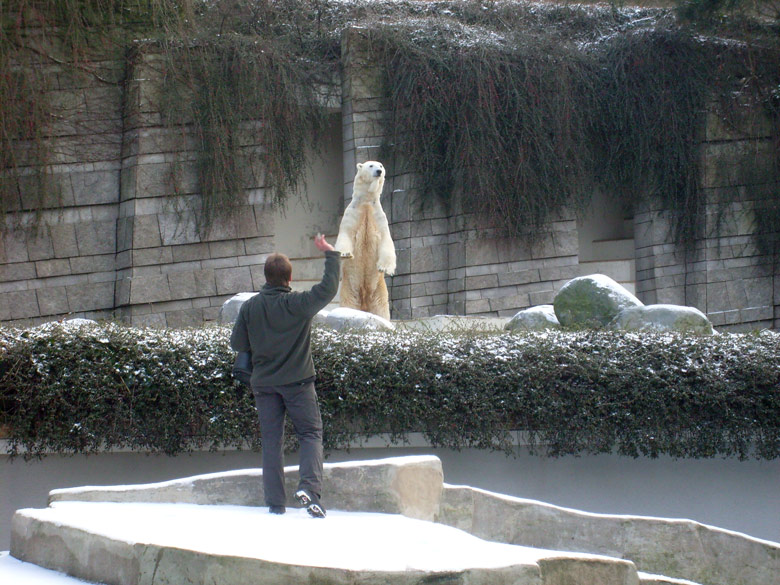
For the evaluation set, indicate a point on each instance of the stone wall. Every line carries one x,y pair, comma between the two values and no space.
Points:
67,264
171,271
122,244
725,276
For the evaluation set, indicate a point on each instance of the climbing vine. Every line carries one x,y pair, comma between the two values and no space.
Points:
219,93
519,125
509,110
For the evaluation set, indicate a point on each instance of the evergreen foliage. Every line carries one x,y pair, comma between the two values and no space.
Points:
68,388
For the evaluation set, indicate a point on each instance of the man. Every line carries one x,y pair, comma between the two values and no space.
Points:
275,325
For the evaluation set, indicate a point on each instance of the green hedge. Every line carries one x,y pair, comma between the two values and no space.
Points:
83,389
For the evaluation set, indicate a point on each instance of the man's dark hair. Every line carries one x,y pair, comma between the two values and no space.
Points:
278,270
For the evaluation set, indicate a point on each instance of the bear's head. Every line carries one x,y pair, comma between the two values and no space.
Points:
370,177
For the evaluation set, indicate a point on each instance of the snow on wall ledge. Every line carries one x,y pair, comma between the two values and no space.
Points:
390,521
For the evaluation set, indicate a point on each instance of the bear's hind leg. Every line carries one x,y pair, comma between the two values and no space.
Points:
379,301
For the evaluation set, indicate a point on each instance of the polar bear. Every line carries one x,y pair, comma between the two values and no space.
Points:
365,242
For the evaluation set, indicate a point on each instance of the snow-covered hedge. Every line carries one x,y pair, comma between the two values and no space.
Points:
69,388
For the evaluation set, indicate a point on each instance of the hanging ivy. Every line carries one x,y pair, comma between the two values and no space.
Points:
519,126
508,110
249,107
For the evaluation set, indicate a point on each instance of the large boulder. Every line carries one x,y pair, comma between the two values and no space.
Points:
663,318
592,301
346,318
534,319
230,308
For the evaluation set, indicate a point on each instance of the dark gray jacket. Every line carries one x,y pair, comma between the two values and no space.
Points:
275,325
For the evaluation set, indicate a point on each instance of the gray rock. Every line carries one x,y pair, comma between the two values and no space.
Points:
346,318
534,319
592,301
320,317
230,308
663,318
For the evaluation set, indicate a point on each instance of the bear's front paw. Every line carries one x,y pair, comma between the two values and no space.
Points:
386,267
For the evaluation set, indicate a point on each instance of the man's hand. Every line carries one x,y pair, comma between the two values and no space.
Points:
322,245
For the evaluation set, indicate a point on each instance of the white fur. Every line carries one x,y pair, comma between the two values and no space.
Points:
367,188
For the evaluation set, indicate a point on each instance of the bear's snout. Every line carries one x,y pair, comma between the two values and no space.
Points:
379,172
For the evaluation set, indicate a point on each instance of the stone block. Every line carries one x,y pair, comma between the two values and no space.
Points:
400,292
63,239
21,304
418,290
233,280
456,255
215,263
96,187
17,271
190,252
259,259
482,281
739,124
155,179
152,256
156,320
481,251
149,289
478,306
225,248
187,318
561,273
122,289
742,162
90,296
188,285
96,238
13,247
93,264
261,245
145,232
258,276
417,302
177,228
541,297
403,259
49,268
422,312
433,258
53,301
39,245
508,303
437,288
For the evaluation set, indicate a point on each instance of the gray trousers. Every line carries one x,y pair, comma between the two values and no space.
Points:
299,401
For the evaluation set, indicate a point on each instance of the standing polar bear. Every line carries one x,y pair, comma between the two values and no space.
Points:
364,239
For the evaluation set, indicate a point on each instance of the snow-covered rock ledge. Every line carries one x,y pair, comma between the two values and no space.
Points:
398,485
390,521
674,548
151,544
